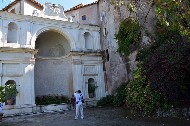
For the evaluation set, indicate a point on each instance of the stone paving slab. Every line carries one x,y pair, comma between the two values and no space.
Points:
93,117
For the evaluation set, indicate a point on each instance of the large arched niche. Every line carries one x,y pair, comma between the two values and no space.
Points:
52,44
52,71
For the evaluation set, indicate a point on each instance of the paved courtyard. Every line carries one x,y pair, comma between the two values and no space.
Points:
93,117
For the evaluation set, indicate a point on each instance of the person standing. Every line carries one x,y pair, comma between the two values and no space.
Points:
1,111
73,104
79,104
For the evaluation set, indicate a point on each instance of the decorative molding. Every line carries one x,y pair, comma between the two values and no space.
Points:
54,11
92,53
90,74
66,57
18,50
77,62
90,69
11,75
41,21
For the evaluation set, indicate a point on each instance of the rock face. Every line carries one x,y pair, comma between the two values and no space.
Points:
117,69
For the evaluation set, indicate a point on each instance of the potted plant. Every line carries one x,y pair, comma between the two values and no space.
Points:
2,99
91,90
10,93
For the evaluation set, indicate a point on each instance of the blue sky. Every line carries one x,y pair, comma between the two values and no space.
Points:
65,3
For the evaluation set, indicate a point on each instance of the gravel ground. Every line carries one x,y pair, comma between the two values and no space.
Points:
93,117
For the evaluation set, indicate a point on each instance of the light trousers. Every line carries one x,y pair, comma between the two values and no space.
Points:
79,110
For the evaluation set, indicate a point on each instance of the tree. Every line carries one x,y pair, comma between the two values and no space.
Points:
165,60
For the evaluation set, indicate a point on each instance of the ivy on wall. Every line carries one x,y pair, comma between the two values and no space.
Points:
128,36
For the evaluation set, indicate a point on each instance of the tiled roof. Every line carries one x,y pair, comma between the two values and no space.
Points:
16,1
81,6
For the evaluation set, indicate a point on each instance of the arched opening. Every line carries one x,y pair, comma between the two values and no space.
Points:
52,44
10,92
88,40
52,71
12,35
91,88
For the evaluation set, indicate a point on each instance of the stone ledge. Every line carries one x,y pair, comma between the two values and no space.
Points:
28,110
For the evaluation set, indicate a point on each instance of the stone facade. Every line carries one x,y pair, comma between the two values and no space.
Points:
45,54
103,14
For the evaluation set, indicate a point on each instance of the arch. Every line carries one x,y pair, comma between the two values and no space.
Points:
89,44
91,87
52,44
52,70
56,29
10,92
12,35
91,81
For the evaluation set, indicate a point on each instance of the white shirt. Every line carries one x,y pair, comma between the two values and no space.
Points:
78,98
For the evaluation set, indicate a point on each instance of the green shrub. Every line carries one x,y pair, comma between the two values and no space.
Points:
10,91
51,99
108,100
166,62
118,100
2,94
168,71
141,96
128,36
120,97
163,78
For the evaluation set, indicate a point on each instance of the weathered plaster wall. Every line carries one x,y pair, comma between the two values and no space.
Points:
29,9
91,13
52,77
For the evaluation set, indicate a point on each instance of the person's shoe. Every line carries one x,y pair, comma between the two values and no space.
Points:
82,117
76,118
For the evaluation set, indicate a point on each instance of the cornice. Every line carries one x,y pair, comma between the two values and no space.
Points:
46,21
81,53
18,50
